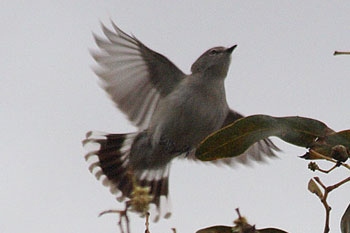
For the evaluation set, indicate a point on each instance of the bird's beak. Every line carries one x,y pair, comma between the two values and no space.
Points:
229,50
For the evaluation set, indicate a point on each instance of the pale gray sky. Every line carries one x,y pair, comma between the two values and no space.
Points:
50,98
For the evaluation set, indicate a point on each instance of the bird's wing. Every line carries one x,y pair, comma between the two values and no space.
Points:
134,76
256,152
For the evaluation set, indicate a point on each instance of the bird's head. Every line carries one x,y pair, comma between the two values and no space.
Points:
214,62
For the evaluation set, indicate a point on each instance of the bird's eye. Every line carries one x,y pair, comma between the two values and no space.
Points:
213,52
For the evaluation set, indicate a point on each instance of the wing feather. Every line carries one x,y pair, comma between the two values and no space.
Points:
134,76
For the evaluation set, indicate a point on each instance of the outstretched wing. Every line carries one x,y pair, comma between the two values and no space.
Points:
134,76
257,152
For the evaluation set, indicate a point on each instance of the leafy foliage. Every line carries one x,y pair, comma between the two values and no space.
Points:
241,226
236,138
345,221
237,229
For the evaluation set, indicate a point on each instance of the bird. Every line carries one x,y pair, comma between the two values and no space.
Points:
173,113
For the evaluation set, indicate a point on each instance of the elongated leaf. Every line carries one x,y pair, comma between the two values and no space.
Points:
216,229
345,221
228,229
236,138
271,230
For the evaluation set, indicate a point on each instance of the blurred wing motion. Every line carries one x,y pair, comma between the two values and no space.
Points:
257,152
133,75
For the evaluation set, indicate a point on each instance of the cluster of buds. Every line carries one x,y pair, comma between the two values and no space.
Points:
140,199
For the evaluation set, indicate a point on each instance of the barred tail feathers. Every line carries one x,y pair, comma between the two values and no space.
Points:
113,168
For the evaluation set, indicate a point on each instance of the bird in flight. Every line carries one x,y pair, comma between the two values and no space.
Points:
173,112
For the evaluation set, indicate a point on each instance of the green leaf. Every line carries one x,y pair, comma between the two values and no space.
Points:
326,145
271,230
216,229
345,221
227,229
237,137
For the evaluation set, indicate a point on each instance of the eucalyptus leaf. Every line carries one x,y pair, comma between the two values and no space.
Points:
237,137
228,229
271,230
345,221
216,229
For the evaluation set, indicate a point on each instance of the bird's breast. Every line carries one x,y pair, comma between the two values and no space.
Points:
188,115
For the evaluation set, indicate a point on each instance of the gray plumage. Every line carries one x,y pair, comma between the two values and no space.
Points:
173,111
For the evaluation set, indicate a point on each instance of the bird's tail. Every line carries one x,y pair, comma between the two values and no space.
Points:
113,167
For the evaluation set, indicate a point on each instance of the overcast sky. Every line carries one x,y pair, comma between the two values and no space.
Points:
49,99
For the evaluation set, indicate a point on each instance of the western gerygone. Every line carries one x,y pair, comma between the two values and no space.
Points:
173,112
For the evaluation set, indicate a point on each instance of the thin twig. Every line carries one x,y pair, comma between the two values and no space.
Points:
127,222
320,182
110,212
147,223
122,214
321,156
329,170
325,204
323,199
332,187
120,223
340,53
238,213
